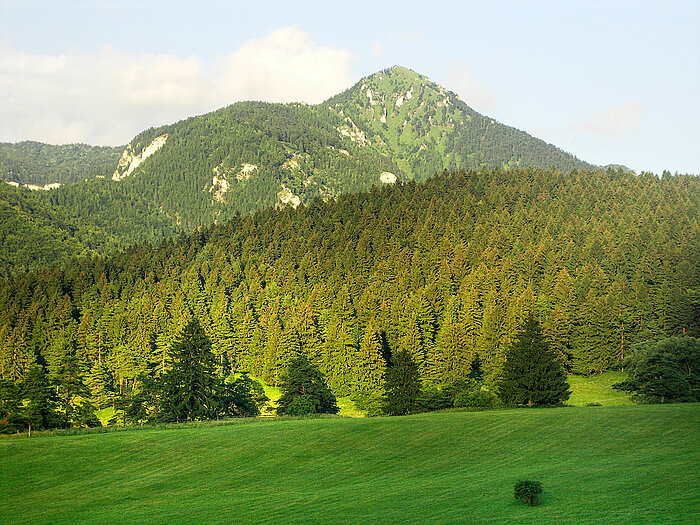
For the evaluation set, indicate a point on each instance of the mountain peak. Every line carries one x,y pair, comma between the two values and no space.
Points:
426,128
395,80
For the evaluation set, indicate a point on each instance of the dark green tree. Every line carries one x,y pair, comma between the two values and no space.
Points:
664,372
476,373
10,403
531,374
40,400
242,397
188,390
402,385
84,416
528,491
305,380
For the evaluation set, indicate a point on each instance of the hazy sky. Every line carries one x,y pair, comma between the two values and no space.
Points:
609,81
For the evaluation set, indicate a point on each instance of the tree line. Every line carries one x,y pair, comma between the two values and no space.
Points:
446,271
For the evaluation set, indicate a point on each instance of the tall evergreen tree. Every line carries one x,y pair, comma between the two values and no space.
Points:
402,384
10,402
304,380
39,410
188,390
532,375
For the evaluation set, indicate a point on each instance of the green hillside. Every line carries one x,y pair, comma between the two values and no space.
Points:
40,164
36,234
425,128
50,228
597,389
446,270
627,465
392,126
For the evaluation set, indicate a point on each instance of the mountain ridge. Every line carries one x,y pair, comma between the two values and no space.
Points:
392,126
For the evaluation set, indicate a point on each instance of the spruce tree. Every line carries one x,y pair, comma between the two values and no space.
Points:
39,409
531,374
305,380
10,403
402,385
188,390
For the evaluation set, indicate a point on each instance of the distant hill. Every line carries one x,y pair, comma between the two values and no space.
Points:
41,164
34,234
392,126
426,128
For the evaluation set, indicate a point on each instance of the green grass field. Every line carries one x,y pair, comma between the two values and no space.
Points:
625,464
598,388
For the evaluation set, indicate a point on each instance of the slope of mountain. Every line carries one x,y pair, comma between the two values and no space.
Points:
426,128
392,126
445,270
37,164
35,234
245,157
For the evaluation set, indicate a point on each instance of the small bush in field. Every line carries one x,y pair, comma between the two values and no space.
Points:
528,491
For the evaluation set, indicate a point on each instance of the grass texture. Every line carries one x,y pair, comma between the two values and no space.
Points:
624,464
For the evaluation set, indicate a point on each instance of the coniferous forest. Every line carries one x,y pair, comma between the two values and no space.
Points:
446,271
393,125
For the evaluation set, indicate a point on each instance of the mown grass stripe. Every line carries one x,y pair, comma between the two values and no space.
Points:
628,464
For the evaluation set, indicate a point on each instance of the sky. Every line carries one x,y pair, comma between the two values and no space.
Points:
612,82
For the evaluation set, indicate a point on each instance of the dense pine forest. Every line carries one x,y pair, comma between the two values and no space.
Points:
445,270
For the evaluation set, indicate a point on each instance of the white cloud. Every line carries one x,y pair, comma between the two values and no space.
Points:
470,90
614,121
285,66
107,96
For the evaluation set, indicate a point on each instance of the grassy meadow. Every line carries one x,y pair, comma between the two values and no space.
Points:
624,464
597,388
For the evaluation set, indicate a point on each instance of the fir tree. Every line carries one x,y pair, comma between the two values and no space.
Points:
402,385
39,410
10,402
188,389
304,380
531,374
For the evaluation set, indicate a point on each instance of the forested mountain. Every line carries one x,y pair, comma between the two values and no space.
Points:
392,126
49,228
446,270
426,128
35,234
41,164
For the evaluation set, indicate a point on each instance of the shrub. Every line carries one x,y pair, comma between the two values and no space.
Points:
666,371
433,398
528,491
476,399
